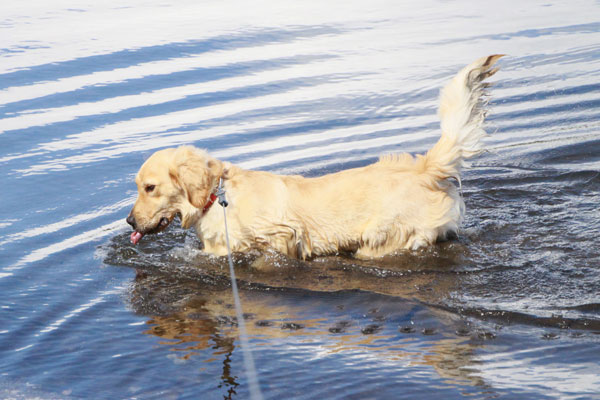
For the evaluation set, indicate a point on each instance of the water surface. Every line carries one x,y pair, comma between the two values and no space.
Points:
508,310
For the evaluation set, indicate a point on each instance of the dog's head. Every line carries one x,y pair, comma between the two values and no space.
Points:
172,182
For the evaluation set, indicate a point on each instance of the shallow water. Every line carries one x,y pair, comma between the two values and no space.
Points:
87,92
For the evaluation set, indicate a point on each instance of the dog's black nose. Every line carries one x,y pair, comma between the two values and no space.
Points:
131,220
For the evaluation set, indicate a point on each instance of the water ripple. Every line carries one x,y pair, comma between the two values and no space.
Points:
311,87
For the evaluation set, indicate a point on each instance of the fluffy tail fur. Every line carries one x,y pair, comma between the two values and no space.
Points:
462,112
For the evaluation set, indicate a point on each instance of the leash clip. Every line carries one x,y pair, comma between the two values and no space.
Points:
221,194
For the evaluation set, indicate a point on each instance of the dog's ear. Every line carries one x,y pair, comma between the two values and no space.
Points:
194,173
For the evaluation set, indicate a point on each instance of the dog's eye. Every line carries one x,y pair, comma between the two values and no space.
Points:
149,188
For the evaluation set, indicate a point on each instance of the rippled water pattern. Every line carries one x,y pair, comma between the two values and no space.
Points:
88,90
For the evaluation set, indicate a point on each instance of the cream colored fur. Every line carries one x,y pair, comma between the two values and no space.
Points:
399,202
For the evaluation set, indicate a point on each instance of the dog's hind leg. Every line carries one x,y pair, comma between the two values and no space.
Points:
398,238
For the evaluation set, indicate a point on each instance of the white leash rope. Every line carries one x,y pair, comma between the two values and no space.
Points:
251,375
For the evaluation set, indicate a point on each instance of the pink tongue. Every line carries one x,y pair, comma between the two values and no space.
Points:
136,236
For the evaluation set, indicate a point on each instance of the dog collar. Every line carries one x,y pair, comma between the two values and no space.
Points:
209,203
218,193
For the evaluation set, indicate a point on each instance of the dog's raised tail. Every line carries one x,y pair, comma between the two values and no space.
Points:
462,112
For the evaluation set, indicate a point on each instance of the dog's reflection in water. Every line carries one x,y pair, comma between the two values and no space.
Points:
197,318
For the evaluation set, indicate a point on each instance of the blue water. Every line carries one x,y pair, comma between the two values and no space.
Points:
89,91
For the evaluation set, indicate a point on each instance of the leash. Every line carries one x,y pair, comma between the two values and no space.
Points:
251,375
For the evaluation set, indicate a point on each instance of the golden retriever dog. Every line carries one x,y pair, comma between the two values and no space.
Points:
400,202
